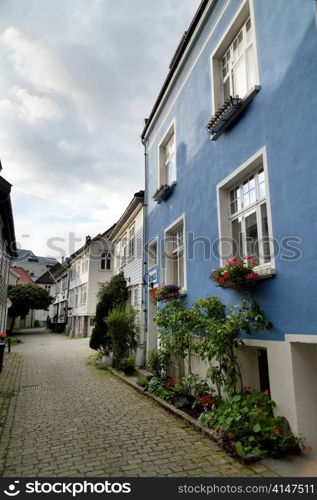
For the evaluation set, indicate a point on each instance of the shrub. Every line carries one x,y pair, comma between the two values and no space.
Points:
157,362
246,424
158,387
113,295
142,382
121,325
128,365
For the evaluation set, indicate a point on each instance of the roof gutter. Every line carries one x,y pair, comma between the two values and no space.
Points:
176,59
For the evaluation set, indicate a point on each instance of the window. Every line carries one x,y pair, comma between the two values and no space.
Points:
244,216
237,65
83,294
234,63
123,252
152,249
76,297
134,297
105,262
132,240
167,159
84,266
174,255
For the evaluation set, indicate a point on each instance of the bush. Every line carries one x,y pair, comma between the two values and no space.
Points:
142,382
121,328
114,295
128,365
246,424
158,387
157,362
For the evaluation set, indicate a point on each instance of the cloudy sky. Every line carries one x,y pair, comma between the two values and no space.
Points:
77,79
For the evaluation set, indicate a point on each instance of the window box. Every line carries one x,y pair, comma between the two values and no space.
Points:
228,112
163,192
165,292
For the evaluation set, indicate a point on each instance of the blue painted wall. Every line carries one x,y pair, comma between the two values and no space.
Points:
281,117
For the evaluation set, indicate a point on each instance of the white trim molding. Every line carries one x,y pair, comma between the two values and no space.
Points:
256,162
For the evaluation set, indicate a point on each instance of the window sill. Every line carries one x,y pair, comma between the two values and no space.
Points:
265,272
163,192
226,115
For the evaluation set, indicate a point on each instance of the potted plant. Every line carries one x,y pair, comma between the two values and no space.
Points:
237,273
128,365
165,292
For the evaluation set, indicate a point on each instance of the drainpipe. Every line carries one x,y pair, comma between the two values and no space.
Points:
144,257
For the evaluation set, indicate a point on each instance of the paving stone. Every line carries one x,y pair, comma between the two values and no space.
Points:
82,421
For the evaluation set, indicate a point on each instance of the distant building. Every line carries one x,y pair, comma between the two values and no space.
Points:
58,281
7,247
127,239
34,264
91,268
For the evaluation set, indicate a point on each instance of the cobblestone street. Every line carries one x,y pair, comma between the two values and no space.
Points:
67,418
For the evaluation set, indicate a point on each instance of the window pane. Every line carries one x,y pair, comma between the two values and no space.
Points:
237,246
250,67
235,200
226,89
171,170
251,233
239,78
261,184
265,232
248,30
180,282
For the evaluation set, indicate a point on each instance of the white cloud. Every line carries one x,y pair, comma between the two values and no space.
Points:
77,80
29,108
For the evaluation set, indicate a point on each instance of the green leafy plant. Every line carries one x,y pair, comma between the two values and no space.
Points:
245,424
158,361
157,387
220,339
128,365
112,296
177,323
121,327
142,382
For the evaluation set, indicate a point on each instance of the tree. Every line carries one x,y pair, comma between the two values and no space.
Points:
121,328
27,297
112,296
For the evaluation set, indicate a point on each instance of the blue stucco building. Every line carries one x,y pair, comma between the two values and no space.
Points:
246,185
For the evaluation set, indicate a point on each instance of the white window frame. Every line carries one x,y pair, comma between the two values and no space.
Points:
169,251
163,165
153,262
254,164
245,12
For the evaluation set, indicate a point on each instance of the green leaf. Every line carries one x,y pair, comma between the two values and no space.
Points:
256,428
256,451
251,438
240,449
237,397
